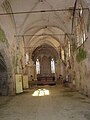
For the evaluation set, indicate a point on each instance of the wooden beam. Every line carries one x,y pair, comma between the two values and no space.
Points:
40,11
40,35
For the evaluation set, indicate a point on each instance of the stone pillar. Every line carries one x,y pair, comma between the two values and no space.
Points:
63,70
11,84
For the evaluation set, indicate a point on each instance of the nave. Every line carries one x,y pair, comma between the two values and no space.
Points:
57,103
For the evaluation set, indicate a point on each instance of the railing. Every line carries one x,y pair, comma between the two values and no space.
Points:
46,80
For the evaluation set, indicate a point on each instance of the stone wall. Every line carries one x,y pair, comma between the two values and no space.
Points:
82,69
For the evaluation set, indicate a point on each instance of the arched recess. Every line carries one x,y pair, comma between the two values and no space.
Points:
46,50
3,76
45,53
6,74
52,36
43,32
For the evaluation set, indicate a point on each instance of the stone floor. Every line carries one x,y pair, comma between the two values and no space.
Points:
57,104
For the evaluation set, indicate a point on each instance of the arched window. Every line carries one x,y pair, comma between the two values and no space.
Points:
38,66
52,66
27,58
80,27
62,54
80,10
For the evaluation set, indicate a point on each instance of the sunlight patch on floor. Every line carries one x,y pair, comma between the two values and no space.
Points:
41,92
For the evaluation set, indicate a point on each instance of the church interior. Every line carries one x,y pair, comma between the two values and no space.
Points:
44,43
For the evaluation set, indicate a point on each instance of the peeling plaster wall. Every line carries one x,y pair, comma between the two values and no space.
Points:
81,70
7,49
82,77
10,71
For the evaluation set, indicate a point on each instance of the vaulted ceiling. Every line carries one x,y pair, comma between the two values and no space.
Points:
44,50
46,25
42,21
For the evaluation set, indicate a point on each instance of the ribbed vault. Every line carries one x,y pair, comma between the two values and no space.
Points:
53,23
44,50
